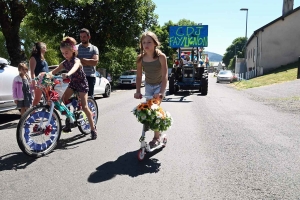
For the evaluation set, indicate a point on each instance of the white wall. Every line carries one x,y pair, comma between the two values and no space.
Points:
278,44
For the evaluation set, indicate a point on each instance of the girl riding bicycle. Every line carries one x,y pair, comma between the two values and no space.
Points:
78,81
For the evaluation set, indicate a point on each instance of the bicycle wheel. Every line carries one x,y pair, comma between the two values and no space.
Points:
84,126
35,138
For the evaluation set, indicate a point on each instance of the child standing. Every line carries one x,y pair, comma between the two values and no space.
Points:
154,63
21,89
78,81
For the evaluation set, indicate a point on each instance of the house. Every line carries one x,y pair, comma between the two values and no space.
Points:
276,43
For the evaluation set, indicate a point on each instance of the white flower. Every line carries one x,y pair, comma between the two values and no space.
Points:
154,107
143,117
159,115
157,121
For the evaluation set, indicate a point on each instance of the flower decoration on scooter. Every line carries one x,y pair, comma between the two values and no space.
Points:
152,114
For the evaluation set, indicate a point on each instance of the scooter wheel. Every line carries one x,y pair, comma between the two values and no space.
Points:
141,155
165,141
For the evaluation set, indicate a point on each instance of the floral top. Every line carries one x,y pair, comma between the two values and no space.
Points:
78,79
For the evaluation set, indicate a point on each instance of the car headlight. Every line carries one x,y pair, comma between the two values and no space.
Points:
191,75
185,75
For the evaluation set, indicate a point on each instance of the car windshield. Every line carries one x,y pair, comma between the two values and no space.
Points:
129,73
225,72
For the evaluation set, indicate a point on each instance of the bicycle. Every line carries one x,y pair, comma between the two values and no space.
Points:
39,129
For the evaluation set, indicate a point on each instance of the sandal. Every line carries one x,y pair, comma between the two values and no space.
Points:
154,143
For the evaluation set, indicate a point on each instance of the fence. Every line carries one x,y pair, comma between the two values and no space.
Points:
246,75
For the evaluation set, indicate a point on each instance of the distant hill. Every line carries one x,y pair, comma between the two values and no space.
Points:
214,57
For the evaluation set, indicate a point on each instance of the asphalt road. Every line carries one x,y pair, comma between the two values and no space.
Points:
227,145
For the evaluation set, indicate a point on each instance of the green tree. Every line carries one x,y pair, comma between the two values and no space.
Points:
111,23
236,48
3,49
186,22
116,60
231,65
11,15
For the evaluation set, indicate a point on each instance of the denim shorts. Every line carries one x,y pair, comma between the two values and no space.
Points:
150,90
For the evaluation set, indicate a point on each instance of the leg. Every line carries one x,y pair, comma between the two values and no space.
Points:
37,96
157,135
67,94
86,110
91,82
65,97
23,109
156,138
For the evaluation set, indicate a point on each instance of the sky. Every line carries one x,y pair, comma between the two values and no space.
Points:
224,19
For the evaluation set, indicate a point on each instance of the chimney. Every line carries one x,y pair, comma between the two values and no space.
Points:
288,6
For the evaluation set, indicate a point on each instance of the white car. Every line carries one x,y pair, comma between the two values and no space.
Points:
7,75
225,75
129,78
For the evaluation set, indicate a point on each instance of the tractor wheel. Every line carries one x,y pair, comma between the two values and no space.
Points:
172,84
204,83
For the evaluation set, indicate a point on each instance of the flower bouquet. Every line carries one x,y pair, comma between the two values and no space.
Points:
150,113
44,79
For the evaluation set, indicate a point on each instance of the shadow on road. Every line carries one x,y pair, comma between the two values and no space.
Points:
69,143
6,120
126,164
96,97
15,161
178,97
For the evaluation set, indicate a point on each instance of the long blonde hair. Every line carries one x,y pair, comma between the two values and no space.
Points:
157,52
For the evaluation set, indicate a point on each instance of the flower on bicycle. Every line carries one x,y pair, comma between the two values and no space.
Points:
152,114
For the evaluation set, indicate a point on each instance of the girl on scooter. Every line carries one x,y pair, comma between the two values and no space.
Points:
154,63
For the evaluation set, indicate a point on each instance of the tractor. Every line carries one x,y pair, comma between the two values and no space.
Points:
192,75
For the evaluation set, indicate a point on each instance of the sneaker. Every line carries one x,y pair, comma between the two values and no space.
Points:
68,126
154,143
94,134
66,129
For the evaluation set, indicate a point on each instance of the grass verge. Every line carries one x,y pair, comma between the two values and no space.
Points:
282,74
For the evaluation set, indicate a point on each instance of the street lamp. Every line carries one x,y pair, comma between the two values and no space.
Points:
245,9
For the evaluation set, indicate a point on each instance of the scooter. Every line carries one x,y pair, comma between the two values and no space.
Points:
145,147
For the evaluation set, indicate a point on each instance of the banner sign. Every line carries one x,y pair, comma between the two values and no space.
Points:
188,36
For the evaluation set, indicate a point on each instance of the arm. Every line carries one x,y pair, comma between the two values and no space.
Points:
138,77
14,89
90,62
57,69
75,67
164,73
32,65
